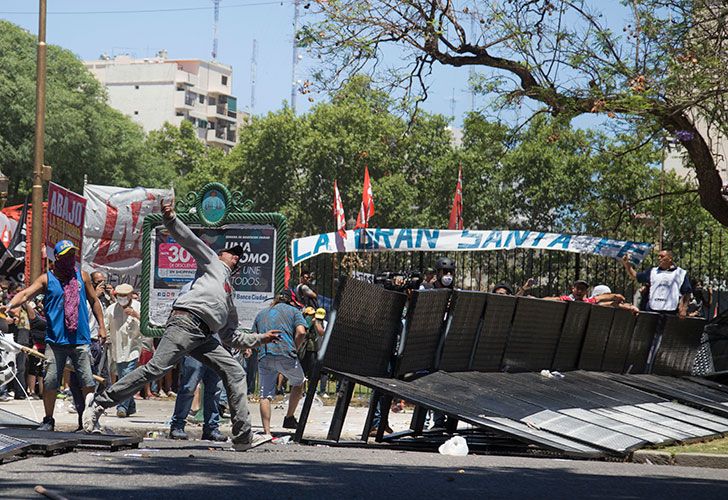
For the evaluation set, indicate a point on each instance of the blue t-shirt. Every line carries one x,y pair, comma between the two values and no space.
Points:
281,317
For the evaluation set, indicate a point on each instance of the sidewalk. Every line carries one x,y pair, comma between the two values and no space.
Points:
154,415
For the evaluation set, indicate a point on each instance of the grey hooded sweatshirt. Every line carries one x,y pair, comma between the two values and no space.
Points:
210,294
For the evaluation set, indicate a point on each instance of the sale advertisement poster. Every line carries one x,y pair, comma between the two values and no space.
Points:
253,282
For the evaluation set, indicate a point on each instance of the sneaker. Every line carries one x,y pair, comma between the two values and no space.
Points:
374,430
172,395
92,414
162,394
214,435
178,434
48,424
290,422
121,413
255,440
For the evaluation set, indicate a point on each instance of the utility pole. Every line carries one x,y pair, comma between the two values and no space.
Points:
253,71
295,55
214,29
37,192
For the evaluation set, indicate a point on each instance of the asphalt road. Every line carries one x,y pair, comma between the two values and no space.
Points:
182,470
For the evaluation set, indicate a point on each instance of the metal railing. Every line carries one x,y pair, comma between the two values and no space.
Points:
703,255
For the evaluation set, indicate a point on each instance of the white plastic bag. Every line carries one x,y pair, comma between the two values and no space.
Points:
455,446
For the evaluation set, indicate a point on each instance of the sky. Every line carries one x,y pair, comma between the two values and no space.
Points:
185,29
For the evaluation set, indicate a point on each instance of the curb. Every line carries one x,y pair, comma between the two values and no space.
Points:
653,457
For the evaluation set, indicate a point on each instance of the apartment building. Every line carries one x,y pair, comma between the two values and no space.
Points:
156,90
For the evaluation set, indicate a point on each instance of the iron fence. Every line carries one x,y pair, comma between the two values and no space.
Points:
702,255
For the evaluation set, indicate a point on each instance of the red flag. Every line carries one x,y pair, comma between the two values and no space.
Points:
286,274
339,212
367,203
456,214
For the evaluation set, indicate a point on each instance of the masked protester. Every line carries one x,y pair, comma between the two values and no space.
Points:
67,291
445,273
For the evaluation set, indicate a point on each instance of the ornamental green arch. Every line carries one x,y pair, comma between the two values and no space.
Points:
192,210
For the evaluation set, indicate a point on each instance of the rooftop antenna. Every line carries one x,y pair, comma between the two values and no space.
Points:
253,68
453,101
295,55
214,28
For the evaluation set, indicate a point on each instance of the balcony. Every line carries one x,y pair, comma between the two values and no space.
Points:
220,111
221,137
183,100
185,78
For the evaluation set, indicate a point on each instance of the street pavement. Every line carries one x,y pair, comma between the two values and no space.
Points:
153,417
164,469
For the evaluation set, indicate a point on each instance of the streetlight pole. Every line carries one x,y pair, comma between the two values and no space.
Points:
37,192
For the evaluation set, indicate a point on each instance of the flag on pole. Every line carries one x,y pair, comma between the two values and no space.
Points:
456,213
367,203
286,274
339,212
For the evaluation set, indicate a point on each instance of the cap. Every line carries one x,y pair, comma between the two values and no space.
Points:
505,286
123,289
320,313
235,250
309,311
63,247
600,289
581,282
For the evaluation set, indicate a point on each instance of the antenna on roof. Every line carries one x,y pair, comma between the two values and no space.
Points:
214,28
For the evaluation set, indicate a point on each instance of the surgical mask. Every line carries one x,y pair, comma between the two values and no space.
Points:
123,301
446,280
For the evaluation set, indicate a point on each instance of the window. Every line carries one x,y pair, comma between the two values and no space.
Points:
136,87
223,78
202,99
136,112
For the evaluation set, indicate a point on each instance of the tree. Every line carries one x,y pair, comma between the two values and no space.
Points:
663,72
176,156
84,136
288,163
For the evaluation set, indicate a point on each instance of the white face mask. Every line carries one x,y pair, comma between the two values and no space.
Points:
123,301
446,280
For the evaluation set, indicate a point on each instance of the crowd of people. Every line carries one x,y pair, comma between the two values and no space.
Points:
89,344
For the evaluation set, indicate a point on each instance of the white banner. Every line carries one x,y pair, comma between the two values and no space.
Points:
113,229
442,240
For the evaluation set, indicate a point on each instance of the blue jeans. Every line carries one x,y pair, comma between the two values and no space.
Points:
192,372
128,405
187,335
251,370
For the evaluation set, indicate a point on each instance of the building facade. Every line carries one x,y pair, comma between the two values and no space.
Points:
157,90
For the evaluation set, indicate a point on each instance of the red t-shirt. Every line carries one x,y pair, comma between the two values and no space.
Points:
570,298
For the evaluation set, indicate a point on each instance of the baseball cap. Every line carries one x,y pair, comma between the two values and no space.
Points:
581,282
600,289
320,313
123,289
235,250
309,311
63,247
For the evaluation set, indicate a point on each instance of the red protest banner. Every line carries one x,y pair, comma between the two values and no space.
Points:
65,218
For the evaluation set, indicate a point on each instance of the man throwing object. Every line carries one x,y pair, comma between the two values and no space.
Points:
207,308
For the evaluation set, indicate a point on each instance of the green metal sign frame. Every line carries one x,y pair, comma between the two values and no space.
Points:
191,210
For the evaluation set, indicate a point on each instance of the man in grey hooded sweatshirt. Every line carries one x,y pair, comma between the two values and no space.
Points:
207,308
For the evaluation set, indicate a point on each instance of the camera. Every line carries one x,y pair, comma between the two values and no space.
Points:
399,281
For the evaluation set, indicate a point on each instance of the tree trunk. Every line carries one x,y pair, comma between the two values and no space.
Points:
710,184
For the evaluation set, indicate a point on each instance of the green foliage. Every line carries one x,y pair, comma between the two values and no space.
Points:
84,136
176,156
